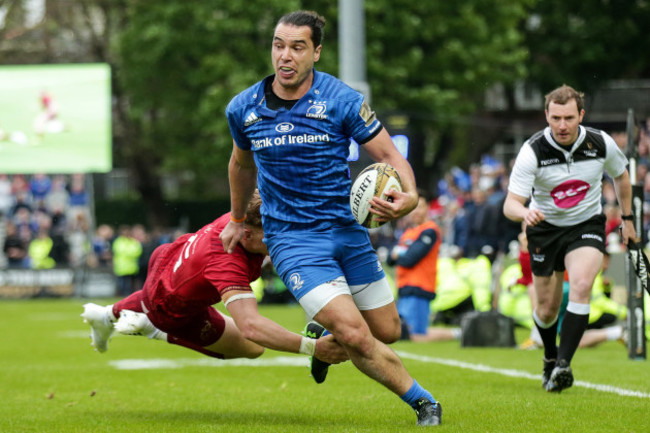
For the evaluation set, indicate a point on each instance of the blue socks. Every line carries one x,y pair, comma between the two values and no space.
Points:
415,393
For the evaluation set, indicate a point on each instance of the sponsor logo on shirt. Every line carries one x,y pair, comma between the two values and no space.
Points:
317,110
284,127
251,119
569,193
549,161
285,139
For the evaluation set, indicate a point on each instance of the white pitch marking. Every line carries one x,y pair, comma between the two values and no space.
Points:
518,373
296,361
147,364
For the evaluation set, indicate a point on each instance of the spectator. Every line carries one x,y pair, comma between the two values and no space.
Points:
476,219
77,239
25,223
102,246
416,257
126,253
78,197
15,248
58,197
59,221
40,186
40,248
21,201
19,185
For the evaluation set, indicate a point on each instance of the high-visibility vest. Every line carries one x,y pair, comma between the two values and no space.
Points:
39,253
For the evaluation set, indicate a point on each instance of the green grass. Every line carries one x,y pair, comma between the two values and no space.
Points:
52,381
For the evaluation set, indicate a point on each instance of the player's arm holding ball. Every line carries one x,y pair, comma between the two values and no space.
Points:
382,149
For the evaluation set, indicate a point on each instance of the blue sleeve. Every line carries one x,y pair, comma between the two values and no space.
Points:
361,123
234,117
418,249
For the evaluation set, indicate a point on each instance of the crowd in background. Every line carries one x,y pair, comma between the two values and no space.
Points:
46,221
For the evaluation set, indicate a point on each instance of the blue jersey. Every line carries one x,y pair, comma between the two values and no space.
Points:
301,153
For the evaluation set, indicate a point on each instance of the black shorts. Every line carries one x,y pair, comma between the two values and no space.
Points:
548,244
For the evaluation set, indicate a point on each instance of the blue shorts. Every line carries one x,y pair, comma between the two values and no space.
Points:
305,260
415,311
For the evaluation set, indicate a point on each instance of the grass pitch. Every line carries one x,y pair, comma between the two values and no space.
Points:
52,381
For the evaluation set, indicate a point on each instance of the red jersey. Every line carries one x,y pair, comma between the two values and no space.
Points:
195,271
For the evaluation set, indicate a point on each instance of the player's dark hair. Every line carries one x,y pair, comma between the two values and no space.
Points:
564,94
253,214
310,19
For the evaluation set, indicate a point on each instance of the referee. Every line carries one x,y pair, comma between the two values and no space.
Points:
560,170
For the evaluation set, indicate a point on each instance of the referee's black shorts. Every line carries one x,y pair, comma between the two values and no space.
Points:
548,244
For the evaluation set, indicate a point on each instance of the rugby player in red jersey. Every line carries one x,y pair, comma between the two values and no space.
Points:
190,275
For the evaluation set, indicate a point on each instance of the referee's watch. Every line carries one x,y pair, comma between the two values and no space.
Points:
629,217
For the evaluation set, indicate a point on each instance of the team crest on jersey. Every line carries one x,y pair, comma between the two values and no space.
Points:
251,119
295,281
317,110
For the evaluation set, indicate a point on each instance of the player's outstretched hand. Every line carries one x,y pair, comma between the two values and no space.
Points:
328,350
396,205
231,235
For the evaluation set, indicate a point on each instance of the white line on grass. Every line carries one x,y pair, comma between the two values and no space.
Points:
297,361
148,364
518,373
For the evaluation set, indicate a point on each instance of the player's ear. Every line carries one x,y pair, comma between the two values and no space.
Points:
317,53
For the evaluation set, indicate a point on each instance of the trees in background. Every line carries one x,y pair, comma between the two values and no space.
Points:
177,64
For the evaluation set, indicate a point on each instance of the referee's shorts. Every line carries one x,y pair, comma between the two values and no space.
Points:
549,244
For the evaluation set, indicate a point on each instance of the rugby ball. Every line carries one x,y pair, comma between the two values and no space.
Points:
374,181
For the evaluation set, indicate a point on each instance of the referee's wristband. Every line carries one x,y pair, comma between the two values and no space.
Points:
307,346
629,217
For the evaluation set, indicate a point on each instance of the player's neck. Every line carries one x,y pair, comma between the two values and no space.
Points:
292,93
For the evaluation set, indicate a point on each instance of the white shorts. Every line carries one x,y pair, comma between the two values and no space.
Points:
366,297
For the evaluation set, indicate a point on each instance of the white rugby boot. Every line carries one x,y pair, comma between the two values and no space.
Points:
101,321
133,323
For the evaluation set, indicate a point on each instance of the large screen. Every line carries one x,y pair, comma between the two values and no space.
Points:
55,118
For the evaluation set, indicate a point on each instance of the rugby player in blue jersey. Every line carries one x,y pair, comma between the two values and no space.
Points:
291,134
